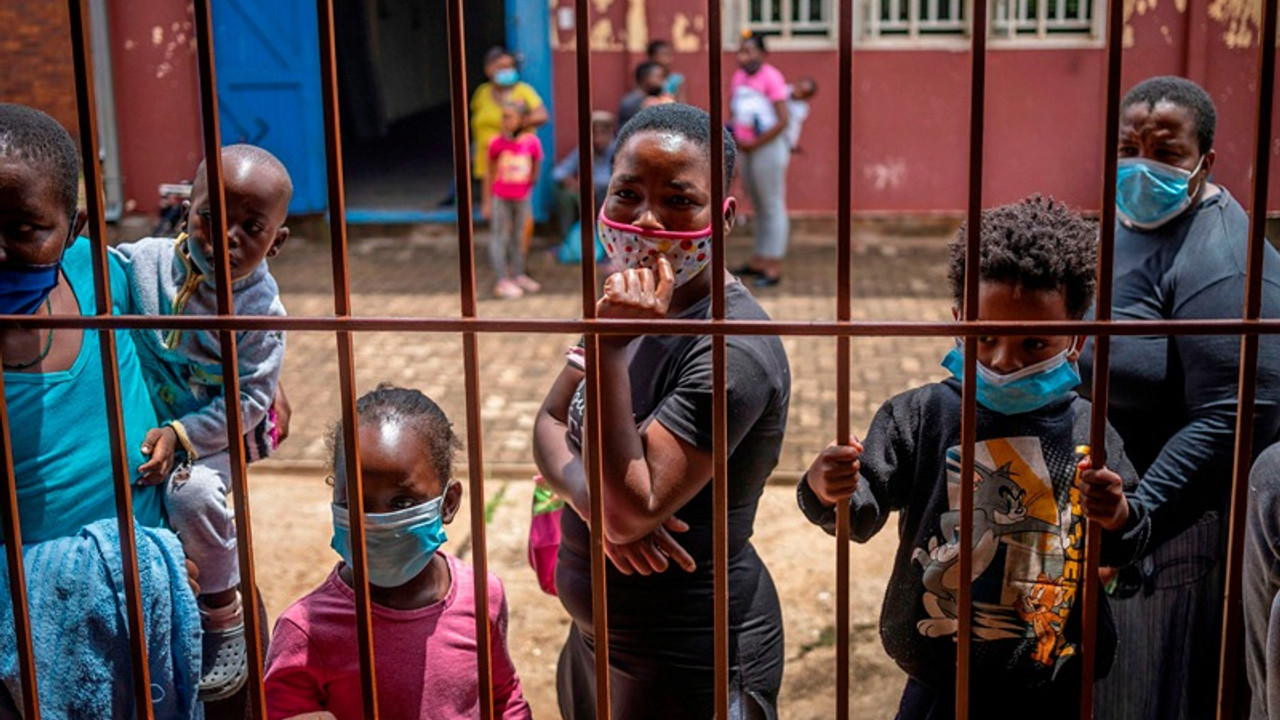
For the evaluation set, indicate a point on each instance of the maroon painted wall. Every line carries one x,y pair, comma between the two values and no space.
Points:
1044,115
1044,107
157,96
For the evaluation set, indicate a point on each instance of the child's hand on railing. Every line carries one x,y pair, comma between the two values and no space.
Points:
833,475
1102,494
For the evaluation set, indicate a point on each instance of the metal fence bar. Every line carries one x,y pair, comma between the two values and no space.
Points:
591,431
86,107
470,353
346,355
844,313
217,226
719,354
969,410
670,326
17,575
1090,583
1233,619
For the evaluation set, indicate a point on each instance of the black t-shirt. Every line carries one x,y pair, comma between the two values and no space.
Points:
1028,536
671,383
1173,399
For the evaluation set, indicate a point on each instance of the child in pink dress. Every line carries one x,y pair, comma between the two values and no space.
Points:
515,158
424,625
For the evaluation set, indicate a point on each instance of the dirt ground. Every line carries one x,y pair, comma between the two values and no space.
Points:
292,527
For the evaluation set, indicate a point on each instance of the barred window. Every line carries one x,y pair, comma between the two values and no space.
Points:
1010,19
789,23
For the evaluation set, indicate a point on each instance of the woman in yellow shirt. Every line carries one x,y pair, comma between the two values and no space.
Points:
503,86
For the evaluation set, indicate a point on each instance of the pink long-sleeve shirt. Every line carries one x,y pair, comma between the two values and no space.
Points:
425,658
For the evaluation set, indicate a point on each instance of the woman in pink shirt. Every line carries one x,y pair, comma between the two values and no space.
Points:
759,109
424,626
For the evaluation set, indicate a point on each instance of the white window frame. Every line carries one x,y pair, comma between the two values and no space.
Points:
1044,31
780,34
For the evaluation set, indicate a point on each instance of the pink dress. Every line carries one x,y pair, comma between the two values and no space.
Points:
425,658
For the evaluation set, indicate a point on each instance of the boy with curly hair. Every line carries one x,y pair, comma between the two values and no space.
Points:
1037,264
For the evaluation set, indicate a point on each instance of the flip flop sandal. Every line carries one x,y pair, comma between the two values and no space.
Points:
224,663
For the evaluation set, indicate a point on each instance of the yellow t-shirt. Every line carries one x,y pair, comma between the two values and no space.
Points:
486,121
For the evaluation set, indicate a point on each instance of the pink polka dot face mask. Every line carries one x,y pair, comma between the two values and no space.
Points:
637,247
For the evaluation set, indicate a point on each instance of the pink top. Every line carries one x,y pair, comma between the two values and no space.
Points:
752,99
426,658
513,162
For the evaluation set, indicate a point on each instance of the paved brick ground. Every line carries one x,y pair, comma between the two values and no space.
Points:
415,273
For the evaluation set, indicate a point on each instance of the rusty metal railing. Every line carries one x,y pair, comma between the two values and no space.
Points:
344,326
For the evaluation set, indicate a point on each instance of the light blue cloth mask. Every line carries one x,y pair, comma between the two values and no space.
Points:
506,77
399,544
1149,193
1021,391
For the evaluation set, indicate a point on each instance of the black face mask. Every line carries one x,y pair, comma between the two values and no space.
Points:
654,92
753,66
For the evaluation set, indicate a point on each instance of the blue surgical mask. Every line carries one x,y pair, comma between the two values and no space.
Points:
506,77
398,544
1150,194
24,287
1021,391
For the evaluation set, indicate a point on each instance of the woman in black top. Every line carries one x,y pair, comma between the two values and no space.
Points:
656,397
1180,254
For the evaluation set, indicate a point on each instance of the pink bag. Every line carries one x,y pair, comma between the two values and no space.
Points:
544,534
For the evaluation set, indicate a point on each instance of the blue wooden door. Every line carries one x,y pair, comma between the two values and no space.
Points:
269,87
529,36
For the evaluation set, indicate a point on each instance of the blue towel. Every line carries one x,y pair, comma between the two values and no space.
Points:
75,589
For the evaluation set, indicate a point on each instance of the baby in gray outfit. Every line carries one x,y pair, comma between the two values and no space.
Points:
183,370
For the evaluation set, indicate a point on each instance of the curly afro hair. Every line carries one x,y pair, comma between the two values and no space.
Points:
388,403
1183,93
683,120
1036,244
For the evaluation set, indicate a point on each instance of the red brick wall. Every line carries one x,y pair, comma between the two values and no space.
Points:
35,54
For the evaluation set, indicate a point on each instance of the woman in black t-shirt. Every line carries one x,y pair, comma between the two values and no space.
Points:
656,398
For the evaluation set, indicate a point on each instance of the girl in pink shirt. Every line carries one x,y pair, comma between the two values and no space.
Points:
424,625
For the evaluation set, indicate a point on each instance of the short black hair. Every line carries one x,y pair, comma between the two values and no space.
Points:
32,136
417,411
1183,93
755,38
684,120
492,54
646,67
1036,244
655,46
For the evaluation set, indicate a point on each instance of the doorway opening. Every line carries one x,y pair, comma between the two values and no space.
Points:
397,140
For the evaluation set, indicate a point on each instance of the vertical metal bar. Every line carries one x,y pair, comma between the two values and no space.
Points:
969,415
346,355
719,402
591,431
227,344
17,574
719,416
86,107
844,313
1232,621
470,353
1100,394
